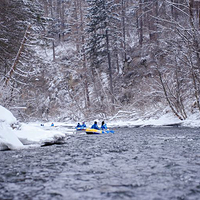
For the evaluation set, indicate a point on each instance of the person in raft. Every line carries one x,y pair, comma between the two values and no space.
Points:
103,126
95,126
78,125
83,125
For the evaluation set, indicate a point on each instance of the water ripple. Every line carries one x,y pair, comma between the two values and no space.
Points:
136,164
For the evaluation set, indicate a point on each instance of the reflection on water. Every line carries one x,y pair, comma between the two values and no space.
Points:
137,163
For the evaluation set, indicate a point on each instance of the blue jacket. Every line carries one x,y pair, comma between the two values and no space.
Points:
95,126
78,125
104,127
84,125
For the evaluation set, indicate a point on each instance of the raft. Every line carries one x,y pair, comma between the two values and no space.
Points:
95,131
80,130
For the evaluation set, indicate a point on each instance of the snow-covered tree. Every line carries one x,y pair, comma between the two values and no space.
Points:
102,30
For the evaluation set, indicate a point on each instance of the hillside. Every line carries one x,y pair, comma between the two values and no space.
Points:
87,59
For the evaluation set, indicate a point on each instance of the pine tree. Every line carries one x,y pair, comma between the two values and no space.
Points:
21,32
100,18
96,29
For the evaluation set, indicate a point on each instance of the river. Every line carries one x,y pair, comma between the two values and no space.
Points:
133,163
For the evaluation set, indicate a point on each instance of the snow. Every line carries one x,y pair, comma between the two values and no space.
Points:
165,120
33,134
7,138
46,54
7,116
27,134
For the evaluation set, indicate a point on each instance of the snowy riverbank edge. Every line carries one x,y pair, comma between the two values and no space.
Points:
166,120
14,135
33,134
169,119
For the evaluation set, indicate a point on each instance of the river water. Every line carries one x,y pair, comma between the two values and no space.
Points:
134,163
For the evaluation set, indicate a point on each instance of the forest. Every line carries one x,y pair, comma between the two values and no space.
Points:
86,59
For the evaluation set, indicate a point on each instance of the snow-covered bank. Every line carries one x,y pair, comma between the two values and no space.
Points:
33,134
8,140
7,116
165,120
27,134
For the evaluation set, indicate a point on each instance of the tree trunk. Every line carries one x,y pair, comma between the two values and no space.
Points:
180,105
18,55
87,99
110,70
124,29
140,23
54,54
167,98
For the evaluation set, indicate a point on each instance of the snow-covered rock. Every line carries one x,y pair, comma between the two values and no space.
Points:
32,134
6,116
27,136
8,139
